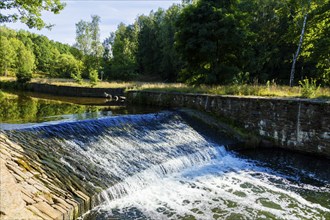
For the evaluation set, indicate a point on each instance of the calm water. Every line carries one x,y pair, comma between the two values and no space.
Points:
28,107
161,166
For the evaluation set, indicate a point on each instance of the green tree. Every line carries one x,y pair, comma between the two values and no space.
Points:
315,50
43,52
25,64
211,39
124,51
88,41
7,54
93,77
28,12
83,37
171,64
107,56
148,50
69,67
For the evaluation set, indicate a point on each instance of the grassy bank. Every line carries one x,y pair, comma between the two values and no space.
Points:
244,90
268,90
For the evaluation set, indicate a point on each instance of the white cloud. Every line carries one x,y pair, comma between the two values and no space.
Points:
111,12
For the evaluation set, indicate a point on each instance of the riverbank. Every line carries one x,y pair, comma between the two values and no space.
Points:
262,90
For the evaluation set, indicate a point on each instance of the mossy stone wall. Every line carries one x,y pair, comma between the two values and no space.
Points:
296,124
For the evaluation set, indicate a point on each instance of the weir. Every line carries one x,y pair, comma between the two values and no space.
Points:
93,155
155,166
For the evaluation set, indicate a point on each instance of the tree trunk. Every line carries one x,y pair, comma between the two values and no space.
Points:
295,57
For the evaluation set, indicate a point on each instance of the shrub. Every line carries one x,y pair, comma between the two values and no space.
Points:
309,88
93,77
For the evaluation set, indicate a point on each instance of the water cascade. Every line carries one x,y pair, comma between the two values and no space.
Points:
157,166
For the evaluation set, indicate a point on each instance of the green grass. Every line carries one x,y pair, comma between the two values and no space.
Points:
240,90
269,90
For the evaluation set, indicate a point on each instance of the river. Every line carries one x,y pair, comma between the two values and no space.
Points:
156,164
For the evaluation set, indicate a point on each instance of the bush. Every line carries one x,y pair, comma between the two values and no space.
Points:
309,88
23,76
93,77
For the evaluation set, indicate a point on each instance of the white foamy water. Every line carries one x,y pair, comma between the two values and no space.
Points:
224,188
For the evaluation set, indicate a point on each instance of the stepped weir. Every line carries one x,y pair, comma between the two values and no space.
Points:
150,166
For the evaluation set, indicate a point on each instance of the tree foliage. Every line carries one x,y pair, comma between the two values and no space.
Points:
88,41
28,11
213,44
23,53
197,42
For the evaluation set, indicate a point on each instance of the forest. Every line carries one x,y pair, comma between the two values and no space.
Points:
195,42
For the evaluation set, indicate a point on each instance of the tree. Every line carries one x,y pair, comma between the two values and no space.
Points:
7,54
43,52
25,64
93,77
315,50
107,56
149,48
295,56
88,41
28,12
83,37
211,39
170,64
124,50
69,67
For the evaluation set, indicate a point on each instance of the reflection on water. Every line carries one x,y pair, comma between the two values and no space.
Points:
28,107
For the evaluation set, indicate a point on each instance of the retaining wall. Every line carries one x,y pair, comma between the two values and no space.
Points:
296,124
74,91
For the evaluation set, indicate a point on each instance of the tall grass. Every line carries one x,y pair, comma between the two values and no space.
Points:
270,89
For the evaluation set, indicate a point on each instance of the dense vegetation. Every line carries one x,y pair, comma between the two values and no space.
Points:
197,42
23,53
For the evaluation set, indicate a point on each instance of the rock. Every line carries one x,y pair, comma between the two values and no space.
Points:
28,200
10,194
58,200
48,210
4,153
36,211
12,205
59,208
18,178
29,188
16,170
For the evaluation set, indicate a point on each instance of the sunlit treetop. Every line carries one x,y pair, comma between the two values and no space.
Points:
28,11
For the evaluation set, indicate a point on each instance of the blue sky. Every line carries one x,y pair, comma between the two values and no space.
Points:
112,12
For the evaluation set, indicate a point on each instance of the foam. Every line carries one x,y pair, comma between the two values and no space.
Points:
227,185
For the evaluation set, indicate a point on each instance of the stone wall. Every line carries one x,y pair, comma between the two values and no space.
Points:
74,91
296,124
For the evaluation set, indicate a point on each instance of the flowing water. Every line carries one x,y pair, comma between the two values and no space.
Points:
160,166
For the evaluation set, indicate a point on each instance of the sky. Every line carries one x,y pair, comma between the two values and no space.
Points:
112,13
